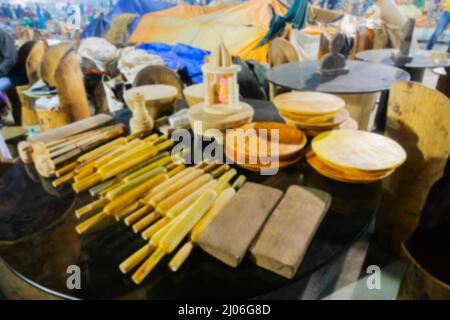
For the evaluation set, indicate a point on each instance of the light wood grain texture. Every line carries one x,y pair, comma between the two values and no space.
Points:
358,150
284,240
360,107
309,103
231,232
71,90
93,122
220,122
418,119
34,60
344,176
159,99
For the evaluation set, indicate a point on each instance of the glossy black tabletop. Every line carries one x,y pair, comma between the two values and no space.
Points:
363,77
38,241
422,59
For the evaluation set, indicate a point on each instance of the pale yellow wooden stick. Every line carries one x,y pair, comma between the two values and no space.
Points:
136,258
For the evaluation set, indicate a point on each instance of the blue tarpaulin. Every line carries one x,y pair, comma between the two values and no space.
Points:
179,57
140,7
97,28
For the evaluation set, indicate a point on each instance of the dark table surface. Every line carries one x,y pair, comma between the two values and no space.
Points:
421,58
38,241
363,77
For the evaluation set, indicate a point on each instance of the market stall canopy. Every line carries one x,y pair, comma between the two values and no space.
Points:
240,27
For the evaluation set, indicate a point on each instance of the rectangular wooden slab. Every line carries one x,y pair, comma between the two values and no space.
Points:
284,240
231,232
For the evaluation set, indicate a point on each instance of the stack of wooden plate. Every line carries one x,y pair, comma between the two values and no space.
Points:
355,156
265,145
313,112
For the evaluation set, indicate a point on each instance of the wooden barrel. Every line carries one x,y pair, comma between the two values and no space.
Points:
51,119
29,116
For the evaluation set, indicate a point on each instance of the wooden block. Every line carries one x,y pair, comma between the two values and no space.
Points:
231,232
284,240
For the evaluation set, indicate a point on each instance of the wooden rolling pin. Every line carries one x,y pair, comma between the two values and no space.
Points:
284,240
116,166
229,235
123,201
172,193
226,196
162,226
174,235
47,163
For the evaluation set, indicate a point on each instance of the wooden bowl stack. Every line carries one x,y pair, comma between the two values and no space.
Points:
314,112
355,156
265,145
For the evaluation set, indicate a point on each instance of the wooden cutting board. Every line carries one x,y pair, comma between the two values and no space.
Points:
309,103
232,231
155,92
284,240
358,150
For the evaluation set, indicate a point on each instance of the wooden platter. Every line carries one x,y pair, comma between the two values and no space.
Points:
358,151
345,176
309,103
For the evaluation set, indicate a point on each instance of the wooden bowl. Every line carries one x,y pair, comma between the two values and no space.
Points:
194,94
258,136
159,99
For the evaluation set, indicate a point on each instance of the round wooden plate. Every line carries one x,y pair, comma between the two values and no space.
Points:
291,140
153,92
308,103
340,117
342,176
220,122
358,150
258,167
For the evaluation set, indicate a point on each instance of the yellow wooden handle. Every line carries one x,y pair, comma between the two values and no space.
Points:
181,256
91,222
136,258
90,208
148,266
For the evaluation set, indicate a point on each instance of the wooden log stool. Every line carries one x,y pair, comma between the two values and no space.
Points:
418,119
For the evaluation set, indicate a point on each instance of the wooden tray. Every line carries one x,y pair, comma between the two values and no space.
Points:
343,176
309,103
358,150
